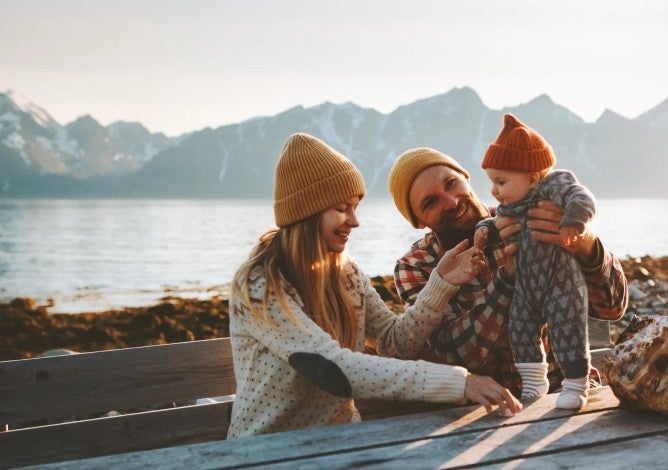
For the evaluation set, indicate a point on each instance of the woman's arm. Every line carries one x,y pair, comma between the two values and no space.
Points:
471,325
317,356
304,347
406,334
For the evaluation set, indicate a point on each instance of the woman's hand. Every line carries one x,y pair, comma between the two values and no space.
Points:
487,392
544,224
460,265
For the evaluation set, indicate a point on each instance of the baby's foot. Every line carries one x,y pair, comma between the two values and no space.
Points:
534,379
574,395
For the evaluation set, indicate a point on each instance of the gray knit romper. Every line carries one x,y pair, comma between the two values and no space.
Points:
550,287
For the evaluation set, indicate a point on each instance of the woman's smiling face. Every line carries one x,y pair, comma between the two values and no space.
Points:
337,222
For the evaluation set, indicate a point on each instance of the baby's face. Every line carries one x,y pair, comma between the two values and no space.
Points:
509,187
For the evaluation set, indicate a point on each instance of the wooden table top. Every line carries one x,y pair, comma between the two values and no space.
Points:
601,435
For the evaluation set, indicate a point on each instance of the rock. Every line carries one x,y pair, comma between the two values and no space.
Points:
648,290
23,303
637,368
635,293
34,330
56,352
641,273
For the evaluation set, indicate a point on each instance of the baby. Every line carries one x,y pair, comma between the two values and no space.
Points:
550,286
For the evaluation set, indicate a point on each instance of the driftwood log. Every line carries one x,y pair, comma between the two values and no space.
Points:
637,367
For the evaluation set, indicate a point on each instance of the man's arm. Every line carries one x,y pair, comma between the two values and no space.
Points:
607,285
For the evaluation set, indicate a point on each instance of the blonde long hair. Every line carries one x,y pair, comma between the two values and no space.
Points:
294,256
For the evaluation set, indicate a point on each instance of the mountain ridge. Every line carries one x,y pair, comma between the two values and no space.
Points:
615,156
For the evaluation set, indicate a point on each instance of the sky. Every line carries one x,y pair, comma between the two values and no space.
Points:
179,66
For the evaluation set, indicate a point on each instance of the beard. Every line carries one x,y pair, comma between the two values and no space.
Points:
451,231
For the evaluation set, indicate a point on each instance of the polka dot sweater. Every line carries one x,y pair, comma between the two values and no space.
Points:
271,396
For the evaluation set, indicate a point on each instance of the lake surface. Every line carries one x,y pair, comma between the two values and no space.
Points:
94,254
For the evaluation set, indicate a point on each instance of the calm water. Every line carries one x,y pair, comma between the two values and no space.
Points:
88,254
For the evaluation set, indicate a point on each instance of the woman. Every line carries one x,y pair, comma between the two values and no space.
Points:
300,310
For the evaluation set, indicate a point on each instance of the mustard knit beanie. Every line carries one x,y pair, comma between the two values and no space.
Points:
311,177
407,167
518,148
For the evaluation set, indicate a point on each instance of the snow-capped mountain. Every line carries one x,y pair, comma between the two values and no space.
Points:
80,149
614,156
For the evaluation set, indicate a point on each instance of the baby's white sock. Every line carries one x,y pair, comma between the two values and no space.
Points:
574,394
534,379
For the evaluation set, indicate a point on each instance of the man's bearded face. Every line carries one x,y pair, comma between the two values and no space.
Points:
459,223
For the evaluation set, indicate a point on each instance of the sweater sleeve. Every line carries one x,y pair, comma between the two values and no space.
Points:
404,335
472,324
369,376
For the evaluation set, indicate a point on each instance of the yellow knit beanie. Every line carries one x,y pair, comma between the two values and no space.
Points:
518,148
311,177
407,167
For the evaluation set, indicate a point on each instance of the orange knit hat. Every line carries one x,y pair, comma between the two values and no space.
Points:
518,148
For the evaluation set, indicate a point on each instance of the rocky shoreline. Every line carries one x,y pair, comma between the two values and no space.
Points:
29,330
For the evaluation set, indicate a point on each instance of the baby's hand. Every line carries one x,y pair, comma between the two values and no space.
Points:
481,238
569,234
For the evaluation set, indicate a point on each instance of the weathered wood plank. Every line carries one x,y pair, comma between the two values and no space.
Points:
82,385
378,409
102,436
338,441
500,445
644,453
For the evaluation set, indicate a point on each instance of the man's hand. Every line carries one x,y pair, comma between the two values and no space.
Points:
544,225
507,227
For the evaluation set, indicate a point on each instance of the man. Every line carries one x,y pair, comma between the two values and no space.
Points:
431,190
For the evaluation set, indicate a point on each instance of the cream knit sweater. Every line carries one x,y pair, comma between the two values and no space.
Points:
271,396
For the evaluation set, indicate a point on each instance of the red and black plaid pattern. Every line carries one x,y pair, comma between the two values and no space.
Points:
473,331
607,286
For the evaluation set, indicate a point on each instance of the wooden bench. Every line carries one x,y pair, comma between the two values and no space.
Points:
48,390
57,408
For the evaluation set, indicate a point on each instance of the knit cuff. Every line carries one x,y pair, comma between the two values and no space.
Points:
438,292
444,384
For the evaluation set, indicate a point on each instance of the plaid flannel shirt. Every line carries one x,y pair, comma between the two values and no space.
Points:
473,331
